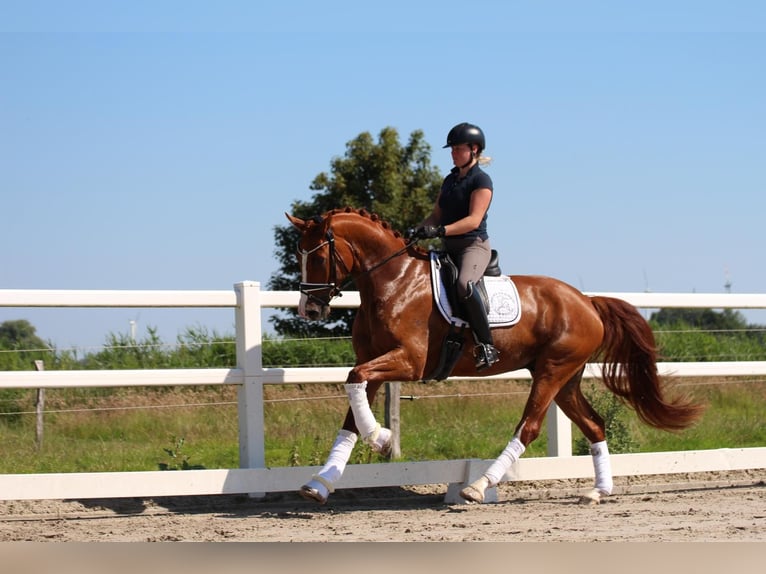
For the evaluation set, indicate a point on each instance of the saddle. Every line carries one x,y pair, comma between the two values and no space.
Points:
449,271
501,303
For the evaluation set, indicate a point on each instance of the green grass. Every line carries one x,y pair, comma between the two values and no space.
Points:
735,418
476,424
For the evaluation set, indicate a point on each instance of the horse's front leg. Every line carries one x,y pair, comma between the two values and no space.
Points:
361,419
321,484
362,384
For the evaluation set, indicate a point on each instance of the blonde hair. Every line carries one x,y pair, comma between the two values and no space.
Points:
484,160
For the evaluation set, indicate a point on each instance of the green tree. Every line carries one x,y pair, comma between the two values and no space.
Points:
395,181
20,346
20,334
707,335
706,319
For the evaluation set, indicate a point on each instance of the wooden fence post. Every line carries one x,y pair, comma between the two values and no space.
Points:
39,408
392,418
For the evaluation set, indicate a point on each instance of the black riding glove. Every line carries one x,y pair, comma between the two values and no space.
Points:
429,231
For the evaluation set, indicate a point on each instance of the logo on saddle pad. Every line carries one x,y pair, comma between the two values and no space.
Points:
502,295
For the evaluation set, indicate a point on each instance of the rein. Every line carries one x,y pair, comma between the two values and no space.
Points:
323,293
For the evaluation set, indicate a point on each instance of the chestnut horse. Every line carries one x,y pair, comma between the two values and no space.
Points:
398,331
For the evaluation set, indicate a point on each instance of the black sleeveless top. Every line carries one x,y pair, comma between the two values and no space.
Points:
455,199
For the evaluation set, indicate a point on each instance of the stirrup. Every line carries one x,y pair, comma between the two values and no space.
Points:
486,355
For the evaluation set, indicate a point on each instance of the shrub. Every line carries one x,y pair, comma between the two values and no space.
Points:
615,414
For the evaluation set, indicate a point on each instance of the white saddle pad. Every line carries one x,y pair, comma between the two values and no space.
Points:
504,303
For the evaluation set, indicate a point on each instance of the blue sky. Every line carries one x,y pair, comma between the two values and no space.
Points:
156,145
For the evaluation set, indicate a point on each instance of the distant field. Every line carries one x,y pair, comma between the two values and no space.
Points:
131,429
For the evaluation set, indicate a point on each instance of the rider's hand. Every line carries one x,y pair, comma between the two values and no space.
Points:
429,231
424,232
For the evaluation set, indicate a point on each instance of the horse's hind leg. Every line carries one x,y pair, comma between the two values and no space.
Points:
575,406
546,384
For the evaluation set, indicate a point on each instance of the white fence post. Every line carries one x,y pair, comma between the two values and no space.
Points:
252,451
559,432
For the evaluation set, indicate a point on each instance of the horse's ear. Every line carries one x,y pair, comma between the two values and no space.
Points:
296,221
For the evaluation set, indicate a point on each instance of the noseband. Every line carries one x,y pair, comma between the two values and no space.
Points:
323,293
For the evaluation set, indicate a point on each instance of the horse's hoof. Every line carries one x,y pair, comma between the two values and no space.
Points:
472,494
383,450
310,493
593,497
382,444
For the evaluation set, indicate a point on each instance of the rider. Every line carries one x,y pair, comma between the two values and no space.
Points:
460,216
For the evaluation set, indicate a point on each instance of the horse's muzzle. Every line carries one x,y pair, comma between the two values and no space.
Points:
315,313
315,300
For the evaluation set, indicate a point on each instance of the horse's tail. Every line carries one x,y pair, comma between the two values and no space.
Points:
629,368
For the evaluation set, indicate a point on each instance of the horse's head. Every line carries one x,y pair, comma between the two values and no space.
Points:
336,244
319,261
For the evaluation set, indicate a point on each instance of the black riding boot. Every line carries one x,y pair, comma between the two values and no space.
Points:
476,314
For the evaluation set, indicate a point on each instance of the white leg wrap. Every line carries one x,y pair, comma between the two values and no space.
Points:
602,467
513,451
335,465
363,417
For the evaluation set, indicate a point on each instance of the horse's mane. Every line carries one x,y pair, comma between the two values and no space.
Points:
373,217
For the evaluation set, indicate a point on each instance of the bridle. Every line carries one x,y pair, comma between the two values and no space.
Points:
323,293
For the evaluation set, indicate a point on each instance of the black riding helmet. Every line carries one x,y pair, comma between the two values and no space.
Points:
466,133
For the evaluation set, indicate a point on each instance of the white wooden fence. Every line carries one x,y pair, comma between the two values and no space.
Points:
250,376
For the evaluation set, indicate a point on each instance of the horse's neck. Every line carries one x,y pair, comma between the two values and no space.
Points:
399,274
372,250
382,264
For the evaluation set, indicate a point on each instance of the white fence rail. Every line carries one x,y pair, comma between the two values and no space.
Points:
247,301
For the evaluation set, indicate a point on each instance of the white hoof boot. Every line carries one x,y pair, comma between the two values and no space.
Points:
594,496
474,492
315,491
